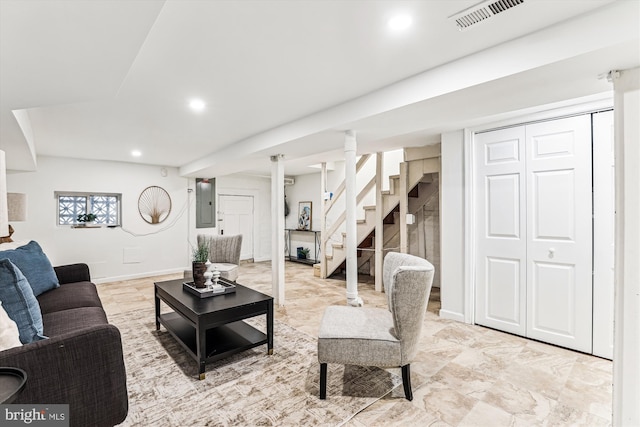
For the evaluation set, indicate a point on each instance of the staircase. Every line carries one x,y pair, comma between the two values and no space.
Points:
421,190
419,196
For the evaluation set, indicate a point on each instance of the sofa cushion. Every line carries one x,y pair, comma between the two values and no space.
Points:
9,334
35,266
72,320
20,303
72,273
69,295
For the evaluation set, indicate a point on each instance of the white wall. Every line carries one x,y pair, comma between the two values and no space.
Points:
452,247
305,189
626,372
104,249
161,248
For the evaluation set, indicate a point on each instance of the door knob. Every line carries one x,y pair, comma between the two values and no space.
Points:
552,252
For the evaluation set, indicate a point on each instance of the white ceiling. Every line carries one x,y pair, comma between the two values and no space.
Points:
98,79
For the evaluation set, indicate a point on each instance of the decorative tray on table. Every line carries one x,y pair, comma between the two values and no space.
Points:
227,288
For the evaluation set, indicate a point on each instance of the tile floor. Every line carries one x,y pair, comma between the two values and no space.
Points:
463,375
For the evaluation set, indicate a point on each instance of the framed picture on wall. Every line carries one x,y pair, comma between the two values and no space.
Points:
304,216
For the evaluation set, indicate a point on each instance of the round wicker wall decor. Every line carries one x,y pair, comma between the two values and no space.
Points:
154,204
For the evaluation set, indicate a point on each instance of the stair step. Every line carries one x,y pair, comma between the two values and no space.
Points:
337,245
390,209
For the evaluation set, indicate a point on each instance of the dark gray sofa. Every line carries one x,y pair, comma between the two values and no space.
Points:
81,363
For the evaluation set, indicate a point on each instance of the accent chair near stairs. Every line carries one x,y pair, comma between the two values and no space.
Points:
224,252
369,336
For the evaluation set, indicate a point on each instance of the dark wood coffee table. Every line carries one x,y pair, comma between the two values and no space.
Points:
212,328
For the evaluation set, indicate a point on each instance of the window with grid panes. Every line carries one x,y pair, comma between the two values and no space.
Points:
105,206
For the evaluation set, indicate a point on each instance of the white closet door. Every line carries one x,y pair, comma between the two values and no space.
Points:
236,217
559,232
501,267
603,233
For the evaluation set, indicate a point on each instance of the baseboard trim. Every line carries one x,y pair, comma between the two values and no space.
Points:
451,315
100,280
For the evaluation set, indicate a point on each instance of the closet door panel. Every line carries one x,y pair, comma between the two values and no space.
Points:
500,280
559,232
553,205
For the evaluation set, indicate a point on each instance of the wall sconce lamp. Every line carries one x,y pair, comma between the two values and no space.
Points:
16,210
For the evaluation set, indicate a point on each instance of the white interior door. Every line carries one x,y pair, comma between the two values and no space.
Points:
236,217
501,266
603,234
534,231
559,232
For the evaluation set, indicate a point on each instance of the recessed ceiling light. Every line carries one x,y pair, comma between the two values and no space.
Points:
400,22
136,153
197,104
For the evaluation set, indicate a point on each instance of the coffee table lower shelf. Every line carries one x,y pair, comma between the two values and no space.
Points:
221,341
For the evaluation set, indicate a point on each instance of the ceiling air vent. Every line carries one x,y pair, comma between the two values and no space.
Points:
482,11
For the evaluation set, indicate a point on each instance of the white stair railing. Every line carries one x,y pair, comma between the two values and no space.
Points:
333,223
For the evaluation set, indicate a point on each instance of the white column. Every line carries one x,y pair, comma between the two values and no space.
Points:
4,212
379,237
351,226
404,207
277,225
323,221
626,342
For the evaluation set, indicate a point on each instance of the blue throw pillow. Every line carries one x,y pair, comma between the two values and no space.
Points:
35,266
20,303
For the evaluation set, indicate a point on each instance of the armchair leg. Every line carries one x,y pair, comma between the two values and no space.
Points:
323,381
406,382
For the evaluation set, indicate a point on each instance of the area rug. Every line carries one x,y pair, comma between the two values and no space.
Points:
248,389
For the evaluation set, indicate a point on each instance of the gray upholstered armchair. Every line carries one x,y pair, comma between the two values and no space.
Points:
368,336
224,252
